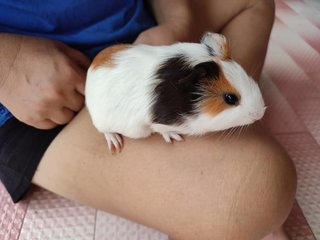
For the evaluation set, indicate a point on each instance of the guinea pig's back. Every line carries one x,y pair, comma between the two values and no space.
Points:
119,90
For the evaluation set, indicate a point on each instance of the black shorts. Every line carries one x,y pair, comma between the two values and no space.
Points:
21,149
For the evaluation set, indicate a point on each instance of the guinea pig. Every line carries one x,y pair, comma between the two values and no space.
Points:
175,90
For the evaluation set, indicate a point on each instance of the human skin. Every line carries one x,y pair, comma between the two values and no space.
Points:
42,81
219,186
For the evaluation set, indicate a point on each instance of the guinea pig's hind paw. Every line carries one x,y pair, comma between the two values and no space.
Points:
169,136
115,142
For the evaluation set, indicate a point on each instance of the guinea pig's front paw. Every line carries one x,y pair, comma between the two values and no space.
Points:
170,136
115,142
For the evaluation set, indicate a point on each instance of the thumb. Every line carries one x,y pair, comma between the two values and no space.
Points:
159,35
78,57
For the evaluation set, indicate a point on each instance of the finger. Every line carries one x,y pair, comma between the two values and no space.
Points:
62,116
38,121
74,102
44,124
79,87
79,78
159,35
81,59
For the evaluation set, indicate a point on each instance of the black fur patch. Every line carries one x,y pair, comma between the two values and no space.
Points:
207,70
178,91
210,50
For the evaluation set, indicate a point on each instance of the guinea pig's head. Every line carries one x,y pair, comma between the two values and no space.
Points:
230,97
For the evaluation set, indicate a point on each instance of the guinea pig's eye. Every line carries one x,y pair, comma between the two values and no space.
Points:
230,98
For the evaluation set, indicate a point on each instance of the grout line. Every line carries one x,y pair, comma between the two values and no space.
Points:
24,216
304,216
95,225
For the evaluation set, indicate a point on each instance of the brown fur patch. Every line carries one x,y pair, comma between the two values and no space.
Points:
214,103
104,58
226,51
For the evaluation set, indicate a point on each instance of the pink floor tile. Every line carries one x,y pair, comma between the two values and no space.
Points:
313,4
296,17
52,217
305,56
310,13
279,117
315,77
309,112
11,216
305,152
111,227
282,5
289,77
296,225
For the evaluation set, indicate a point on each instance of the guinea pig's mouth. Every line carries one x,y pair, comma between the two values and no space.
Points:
255,116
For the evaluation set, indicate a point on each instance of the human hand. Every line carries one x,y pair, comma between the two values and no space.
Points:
158,35
176,23
44,86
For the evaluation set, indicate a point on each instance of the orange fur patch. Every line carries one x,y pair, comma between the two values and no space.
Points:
104,58
214,103
226,51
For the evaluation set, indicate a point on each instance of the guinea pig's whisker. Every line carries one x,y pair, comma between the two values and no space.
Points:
246,127
236,132
233,131
230,132
241,130
221,135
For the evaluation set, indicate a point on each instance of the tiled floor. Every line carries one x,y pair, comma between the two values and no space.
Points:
293,66
291,86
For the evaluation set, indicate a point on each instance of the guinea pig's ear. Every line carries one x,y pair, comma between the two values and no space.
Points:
217,45
207,70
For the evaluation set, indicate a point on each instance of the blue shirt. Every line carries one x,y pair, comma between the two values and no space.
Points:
5,115
87,25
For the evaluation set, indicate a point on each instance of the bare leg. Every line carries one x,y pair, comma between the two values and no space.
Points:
212,187
247,25
277,235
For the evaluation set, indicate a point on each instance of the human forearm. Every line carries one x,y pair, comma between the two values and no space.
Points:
175,21
176,14
9,50
249,34
246,24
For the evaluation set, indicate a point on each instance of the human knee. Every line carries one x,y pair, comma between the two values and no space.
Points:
250,194
263,197
274,191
